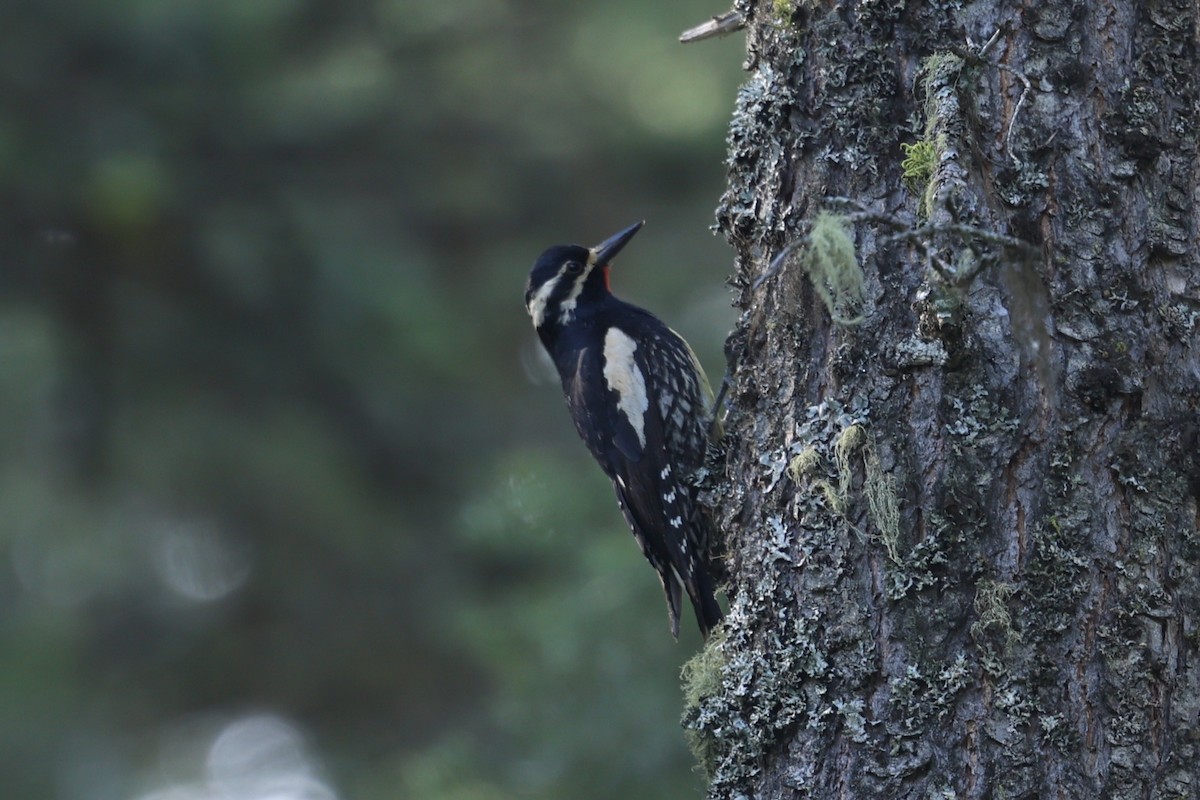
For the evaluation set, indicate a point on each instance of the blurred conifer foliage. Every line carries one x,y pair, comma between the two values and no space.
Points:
289,506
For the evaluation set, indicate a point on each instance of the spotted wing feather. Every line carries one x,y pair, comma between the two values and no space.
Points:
655,494
678,423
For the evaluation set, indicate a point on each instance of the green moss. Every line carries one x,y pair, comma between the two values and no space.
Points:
880,489
918,169
804,463
937,69
701,680
924,159
878,486
830,261
917,166
991,604
701,674
849,440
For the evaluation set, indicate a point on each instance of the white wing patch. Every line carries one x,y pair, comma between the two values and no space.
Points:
622,375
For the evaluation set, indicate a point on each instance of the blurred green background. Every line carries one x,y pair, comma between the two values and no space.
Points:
290,506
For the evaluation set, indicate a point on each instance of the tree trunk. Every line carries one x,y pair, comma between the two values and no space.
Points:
961,485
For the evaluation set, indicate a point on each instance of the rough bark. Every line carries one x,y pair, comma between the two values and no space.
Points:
963,530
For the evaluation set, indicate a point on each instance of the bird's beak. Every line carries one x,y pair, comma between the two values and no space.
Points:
608,249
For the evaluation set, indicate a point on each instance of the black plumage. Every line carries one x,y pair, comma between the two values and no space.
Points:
641,403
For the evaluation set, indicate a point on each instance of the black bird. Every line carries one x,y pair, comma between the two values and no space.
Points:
643,406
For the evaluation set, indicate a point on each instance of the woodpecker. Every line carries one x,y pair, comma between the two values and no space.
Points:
642,404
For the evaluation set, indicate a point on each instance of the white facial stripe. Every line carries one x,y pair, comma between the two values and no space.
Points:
622,375
537,303
567,307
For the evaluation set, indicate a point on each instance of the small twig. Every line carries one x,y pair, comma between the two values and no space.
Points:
924,232
975,57
720,25
978,58
1020,102
841,200
906,230
983,51
720,398
921,235
778,261
864,214
940,266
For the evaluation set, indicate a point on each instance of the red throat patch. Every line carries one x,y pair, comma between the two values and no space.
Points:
607,285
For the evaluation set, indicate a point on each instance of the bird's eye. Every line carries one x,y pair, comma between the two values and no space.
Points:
574,268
